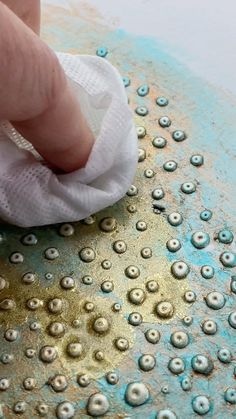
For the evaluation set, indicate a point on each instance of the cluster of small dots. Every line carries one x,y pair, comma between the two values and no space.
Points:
201,364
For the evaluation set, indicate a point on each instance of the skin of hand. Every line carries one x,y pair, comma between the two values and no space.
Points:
35,94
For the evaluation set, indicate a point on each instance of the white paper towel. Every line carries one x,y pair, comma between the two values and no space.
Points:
31,194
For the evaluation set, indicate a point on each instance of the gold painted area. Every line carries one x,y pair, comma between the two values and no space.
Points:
69,264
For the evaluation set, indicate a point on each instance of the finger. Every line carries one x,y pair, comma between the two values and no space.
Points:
27,10
38,99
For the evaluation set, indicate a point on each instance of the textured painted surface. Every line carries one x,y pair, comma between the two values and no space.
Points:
208,119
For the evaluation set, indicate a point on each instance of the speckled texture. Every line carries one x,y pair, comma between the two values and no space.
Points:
198,308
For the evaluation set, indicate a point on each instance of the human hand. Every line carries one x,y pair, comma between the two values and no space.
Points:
34,92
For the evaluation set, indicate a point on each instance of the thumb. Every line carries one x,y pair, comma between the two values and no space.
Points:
38,99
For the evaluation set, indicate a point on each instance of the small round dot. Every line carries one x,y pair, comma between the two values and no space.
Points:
173,245
179,135
146,252
132,272
188,187
197,160
132,191
132,208
166,414
67,283
7,304
34,326
102,52
66,230
89,307
233,284
107,286
165,309
19,407
175,219
89,220
7,358
65,410
48,276
29,383
143,90
165,389
170,166
99,356
51,253
141,110
87,254
161,101
30,353
176,365
152,286
209,327
147,362
164,121
48,354
119,246
83,380
200,239
186,383
207,271
136,296
159,142
136,394
190,296
225,236
122,344
179,339
74,349
101,325
215,300
141,155
135,319
141,225
16,258
201,405
42,409
141,131
158,193
11,335
98,405
34,303
187,320
56,329
202,364
228,259
180,269
206,215
28,278
58,383
112,378
108,224
3,283
55,306
116,307
4,384
230,395
149,173
87,280
106,264
152,336
29,240
224,355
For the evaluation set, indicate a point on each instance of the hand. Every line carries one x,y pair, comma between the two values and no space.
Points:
34,92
